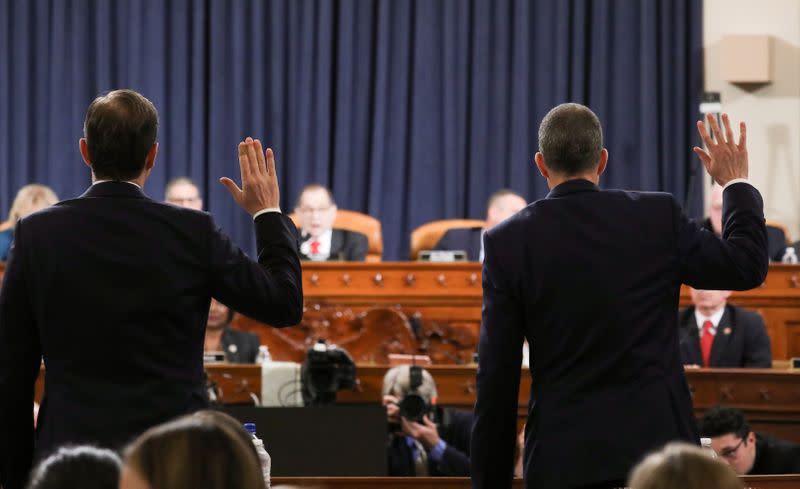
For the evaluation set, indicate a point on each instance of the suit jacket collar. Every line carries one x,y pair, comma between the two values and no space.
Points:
574,186
337,243
723,336
114,189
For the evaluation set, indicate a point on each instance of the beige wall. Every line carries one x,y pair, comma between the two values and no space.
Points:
772,111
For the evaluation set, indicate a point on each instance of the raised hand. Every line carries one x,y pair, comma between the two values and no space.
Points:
259,182
724,159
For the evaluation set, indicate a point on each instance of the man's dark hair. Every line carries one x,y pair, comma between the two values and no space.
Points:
719,421
314,186
120,128
571,139
82,466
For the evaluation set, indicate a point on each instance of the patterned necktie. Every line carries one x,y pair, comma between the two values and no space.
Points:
315,247
705,342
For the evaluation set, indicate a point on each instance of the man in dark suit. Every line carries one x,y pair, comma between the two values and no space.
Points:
716,334
237,346
502,204
319,241
776,238
591,278
112,289
747,452
436,445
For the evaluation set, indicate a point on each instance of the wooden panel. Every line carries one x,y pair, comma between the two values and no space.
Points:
751,482
442,304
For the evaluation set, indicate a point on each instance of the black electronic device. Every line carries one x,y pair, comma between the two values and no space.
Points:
326,370
413,406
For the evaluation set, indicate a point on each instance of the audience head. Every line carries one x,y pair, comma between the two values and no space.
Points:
503,204
119,140
731,437
81,467
316,210
198,450
182,191
715,209
219,315
709,301
397,384
683,466
29,199
571,144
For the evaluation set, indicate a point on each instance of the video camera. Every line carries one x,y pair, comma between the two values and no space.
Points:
326,370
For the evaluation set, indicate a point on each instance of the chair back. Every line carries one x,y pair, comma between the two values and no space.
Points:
426,236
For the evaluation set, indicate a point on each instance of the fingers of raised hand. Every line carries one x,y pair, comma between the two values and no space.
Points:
728,131
261,165
715,129
742,136
244,165
701,128
252,158
270,162
703,155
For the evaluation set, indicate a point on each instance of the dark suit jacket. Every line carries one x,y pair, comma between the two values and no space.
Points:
741,340
591,278
776,240
774,456
455,431
467,239
345,246
239,346
113,290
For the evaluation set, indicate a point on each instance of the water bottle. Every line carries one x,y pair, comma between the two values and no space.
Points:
263,355
263,456
706,444
789,256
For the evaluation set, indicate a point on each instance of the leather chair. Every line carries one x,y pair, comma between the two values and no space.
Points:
426,236
361,223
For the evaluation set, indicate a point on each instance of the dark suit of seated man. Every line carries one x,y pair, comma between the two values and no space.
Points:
238,346
427,447
319,241
502,204
113,288
776,239
714,333
748,453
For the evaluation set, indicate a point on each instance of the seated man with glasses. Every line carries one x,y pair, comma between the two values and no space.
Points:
748,453
318,240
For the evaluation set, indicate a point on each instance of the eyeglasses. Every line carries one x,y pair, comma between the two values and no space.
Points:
312,210
184,200
730,453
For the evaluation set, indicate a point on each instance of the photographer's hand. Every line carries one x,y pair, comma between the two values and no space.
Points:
425,433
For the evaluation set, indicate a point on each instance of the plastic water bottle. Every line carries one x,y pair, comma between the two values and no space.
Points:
789,256
706,444
263,355
263,456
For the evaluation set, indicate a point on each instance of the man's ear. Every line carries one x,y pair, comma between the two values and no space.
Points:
540,164
150,160
601,167
83,147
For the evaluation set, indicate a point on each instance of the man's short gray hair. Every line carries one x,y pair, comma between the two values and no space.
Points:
570,139
397,382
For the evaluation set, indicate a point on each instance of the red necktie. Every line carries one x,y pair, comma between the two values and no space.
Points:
706,341
315,247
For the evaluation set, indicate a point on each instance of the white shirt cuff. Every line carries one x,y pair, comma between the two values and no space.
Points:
264,211
737,180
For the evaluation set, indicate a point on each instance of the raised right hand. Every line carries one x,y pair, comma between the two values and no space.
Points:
724,159
259,182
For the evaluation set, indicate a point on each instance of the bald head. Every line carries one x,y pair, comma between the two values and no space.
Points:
502,205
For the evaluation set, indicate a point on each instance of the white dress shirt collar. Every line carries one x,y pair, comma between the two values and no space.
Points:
124,181
714,318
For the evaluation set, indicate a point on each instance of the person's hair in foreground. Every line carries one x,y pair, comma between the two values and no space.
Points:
683,466
197,450
83,467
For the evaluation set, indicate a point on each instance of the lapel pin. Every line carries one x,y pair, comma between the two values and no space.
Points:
234,349
726,331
